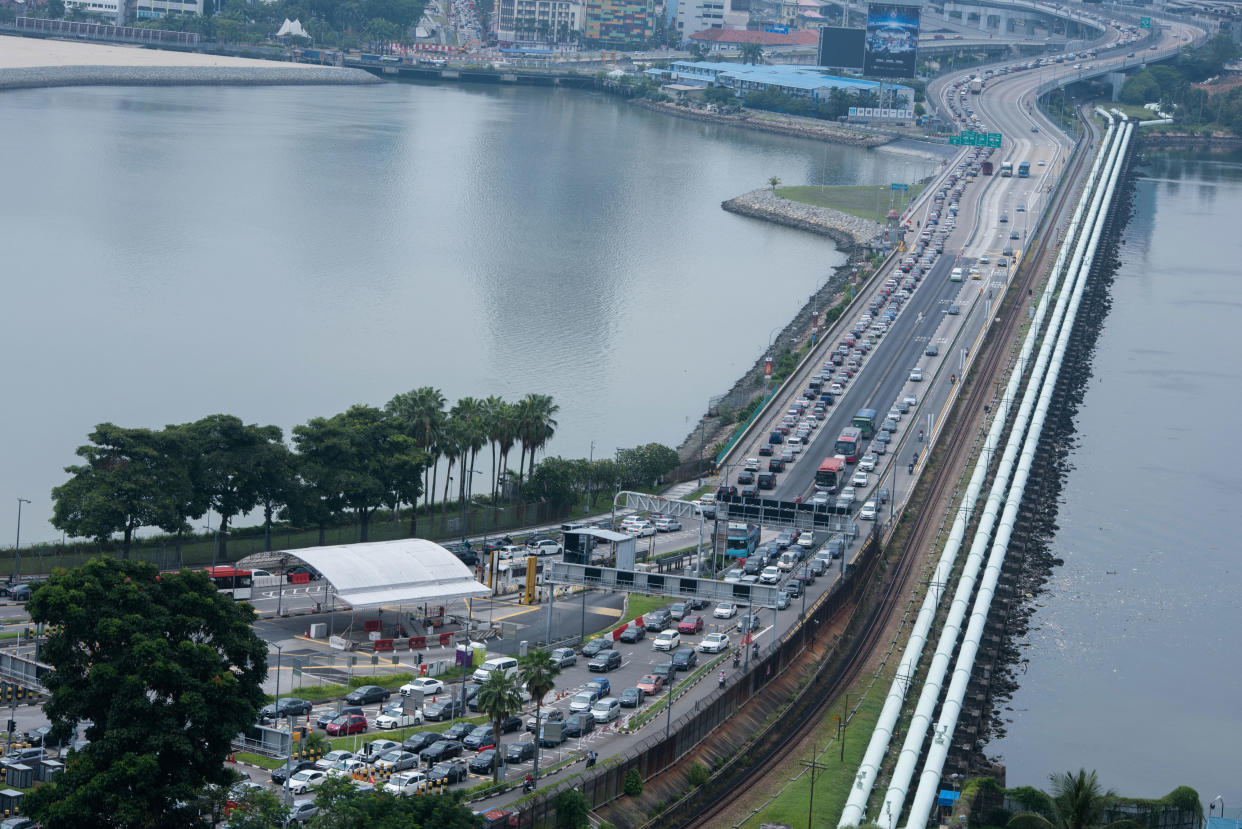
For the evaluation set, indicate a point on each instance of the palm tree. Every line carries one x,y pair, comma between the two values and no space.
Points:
774,182
420,414
494,411
751,53
1077,802
500,698
468,414
450,445
538,423
536,671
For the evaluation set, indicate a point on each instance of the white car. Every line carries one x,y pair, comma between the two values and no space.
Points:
867,462
911,400
849,492
543,547
859,479
347,768
667,525
667,640
331,759
510,551
714,643
820,498
794,444
916,375
733,575
425,684
725,610
306,779
406,783
642,529
770,575
394,717
867,513
807,540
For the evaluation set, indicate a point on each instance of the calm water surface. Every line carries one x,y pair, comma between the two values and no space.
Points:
1134,667
281,254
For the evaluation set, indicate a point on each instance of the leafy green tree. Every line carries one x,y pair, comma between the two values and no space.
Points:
344,806
129,481
229,463
752,53
537,673
1078,802
556,481
720,96
500,697
165,669
55,9
697,51
571,810
258,809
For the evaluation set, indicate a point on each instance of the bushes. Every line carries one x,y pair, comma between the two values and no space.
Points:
698,774
633,783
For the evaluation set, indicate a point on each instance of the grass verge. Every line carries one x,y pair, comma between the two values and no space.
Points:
867,201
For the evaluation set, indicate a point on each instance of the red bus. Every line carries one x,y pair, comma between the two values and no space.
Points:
828,476
237,583
849,444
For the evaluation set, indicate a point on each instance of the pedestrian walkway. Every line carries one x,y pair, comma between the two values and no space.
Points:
680,491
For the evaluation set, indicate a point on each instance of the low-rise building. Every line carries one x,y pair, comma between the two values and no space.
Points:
717,39
797,81
537,21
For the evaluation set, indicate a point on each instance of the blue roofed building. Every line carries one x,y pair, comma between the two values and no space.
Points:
797,81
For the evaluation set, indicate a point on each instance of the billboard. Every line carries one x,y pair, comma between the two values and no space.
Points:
841,47
892,41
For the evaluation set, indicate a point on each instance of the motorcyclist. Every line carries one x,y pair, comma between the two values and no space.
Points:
737,659
722,679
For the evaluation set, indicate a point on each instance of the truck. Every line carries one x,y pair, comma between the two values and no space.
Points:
986,168
976,85
1006,169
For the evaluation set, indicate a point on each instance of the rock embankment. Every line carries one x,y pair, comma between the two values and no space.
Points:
846,230
768,122
276,75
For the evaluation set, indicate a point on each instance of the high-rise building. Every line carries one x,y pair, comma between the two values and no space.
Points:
619,23
537,21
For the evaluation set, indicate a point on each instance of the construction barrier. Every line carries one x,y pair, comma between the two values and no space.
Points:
418,642
382,645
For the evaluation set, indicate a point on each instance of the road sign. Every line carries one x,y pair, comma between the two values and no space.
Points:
956,140
1144,22
993,139
896,186
778,30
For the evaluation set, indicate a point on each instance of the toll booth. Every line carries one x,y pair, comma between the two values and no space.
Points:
11,801
593,545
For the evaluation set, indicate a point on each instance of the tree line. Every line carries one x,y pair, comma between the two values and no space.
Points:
356,462
350,465
1173,87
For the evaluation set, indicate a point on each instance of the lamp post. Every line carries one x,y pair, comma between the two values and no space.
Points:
17,555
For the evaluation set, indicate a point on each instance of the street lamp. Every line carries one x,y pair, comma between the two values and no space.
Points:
17,556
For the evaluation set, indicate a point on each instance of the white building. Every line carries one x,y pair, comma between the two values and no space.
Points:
155,9
537,21
113,10
700,15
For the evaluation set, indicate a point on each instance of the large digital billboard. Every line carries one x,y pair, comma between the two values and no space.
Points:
841,47
892,41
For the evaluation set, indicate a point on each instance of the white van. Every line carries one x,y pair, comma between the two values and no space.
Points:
506,664
956,275
606,709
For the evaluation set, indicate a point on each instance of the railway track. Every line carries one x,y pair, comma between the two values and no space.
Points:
977,391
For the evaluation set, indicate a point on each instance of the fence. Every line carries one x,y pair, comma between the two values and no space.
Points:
104,31
689,727
167,554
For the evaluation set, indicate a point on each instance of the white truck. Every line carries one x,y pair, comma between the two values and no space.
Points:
976,85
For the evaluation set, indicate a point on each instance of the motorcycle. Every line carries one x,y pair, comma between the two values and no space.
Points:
737,659
722,679
528,785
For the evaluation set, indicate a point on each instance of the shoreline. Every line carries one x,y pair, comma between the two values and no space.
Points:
802,128
60,76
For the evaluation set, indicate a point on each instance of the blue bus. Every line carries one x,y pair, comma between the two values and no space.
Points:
1024,169
865,421
742,539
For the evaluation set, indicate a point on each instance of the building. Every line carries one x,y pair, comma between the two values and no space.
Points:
797,81
112,10
695,16
155,9
619,23
537,21
718,39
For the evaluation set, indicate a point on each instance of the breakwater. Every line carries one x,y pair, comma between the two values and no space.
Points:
276,75
846,230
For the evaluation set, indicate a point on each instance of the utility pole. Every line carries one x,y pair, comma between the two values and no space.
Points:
814,766
17,555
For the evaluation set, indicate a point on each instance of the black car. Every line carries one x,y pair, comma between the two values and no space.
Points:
665,670
749,624
481,735
792,588
578,725
606,661
420,740
631,697
290,768
754,564
765,449
750,493
776,465
549,715
658,619
287,707
42,736
439,751
835,547
746,477
484,762
633,633
602,643
519,752
458,731
685,659
447,773
367,694
331,714
445,709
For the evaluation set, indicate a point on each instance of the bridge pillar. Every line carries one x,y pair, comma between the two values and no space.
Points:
1117,79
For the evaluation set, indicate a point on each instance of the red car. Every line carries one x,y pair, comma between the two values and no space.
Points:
690,624
650,684
347,724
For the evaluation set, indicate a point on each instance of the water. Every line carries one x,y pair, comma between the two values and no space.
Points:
1132,667
282,254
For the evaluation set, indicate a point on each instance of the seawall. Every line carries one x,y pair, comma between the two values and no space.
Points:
276,75
846,230
780,125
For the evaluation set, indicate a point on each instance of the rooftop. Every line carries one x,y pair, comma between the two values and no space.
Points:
800,37
781,74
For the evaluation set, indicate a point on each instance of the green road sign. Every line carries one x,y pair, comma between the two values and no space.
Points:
956,140
1144,22
896,186
994,139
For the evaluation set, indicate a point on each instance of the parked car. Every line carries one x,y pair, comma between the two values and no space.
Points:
485,761
347,724
330,715
658,619
632,697
725,610
332,758
444,709
397,759
690,624
448,773
606,709
564,657
457,731
282,772
367,694
667,640
427,685
440,751
605,661
305,780
650,684
549,715
599,684
395,717
519,752
300,811
582,701
420,740
579,725
592,648
406,783
286,707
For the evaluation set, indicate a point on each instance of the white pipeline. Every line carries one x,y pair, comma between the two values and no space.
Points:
855,806
929,781
907,760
